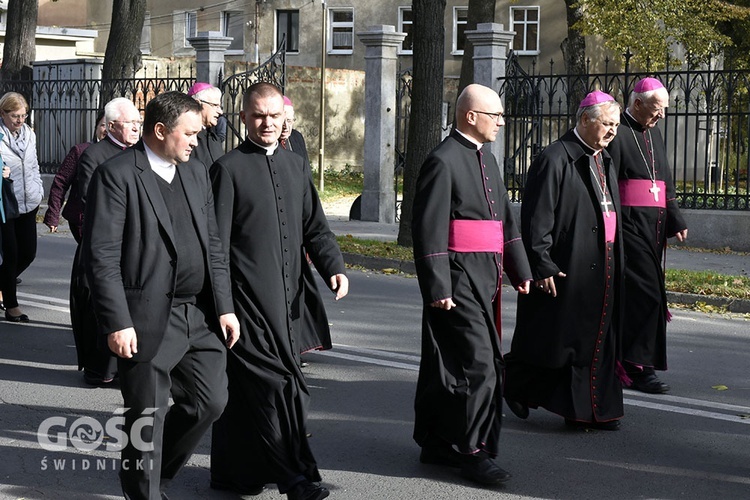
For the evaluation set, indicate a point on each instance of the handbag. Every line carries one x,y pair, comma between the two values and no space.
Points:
10,203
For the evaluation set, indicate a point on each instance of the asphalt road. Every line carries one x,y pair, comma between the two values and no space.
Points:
690,444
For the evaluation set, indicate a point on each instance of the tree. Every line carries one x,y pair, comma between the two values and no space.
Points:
480,11
20,40
122,58
426,98
653,26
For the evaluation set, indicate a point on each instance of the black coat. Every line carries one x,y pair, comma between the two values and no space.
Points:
129,248
561,221
91,158
210,147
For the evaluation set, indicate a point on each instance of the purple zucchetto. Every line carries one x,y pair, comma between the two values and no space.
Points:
198,87
646,85
288,102
595,97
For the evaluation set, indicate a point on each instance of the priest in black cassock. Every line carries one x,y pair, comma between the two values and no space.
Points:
210,146
268,211
650,214
464,237
565,349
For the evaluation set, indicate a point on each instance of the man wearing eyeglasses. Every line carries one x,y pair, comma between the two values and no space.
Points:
123,121
464,237
210,147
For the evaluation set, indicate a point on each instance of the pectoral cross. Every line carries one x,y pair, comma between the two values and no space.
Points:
654,190
605,204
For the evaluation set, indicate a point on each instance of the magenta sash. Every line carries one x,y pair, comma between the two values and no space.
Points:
476,236
610,227
636,193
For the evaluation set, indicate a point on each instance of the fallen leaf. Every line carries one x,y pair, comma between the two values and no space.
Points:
720,387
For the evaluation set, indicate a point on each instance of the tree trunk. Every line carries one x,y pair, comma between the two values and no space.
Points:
122,57
426,98
574,55
480,11
20,42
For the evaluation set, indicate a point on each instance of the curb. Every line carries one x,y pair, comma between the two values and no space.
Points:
741,306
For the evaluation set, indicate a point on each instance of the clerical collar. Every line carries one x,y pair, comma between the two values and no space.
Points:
159,165
631,119
471,140
270,150
587,149
121,144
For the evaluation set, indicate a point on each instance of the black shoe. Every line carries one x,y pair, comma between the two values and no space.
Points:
2,306
251,490
612,425
307,491
18,281
648,383
21,318
484,471
519,409
440,455
96,380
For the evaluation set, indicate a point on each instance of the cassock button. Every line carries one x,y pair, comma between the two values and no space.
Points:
281,210
489,189
593,266
593,229
492,201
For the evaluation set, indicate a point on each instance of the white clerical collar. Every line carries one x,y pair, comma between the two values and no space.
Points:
595,151
112,138
160,166
473,141
270,150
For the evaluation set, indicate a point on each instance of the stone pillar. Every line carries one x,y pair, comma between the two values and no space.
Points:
209,55
491,45
381,65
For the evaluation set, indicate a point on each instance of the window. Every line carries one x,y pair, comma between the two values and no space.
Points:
525,22
287,23
340,31
460,17
191,26
146,34
232,26
405,23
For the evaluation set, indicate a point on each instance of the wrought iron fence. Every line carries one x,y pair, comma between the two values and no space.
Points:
403,112
706,129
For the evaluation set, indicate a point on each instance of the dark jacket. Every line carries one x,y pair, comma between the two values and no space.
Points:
129,246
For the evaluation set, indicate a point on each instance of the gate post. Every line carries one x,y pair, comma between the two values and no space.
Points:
381,68
209,55
491,44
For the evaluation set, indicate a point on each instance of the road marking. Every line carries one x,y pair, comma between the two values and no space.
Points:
46,304
680,405
671,471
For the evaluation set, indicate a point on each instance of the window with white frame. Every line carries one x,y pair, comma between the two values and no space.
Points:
146,34
233,25
405,24
287,24
525,22
460,18
340,31
191,26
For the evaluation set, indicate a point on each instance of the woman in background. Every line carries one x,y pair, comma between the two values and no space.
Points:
18,151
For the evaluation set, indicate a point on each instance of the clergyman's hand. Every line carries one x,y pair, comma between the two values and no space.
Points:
446,304
123,343
524,288
681,235
547,285
340,284
230,327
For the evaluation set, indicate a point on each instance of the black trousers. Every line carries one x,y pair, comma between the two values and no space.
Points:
191,361
19,251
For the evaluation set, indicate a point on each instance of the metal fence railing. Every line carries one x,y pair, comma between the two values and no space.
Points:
706,129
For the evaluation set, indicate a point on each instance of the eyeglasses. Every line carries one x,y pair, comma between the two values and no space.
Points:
212,104
289,121
495,116
132,123
17,117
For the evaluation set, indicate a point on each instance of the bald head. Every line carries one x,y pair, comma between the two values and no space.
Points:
479,113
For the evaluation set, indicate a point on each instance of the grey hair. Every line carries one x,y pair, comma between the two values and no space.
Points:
595,110
210,91
643,96
113,109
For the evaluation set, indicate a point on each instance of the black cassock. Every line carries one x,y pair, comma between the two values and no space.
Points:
267,211
564,351
459,391
646,224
